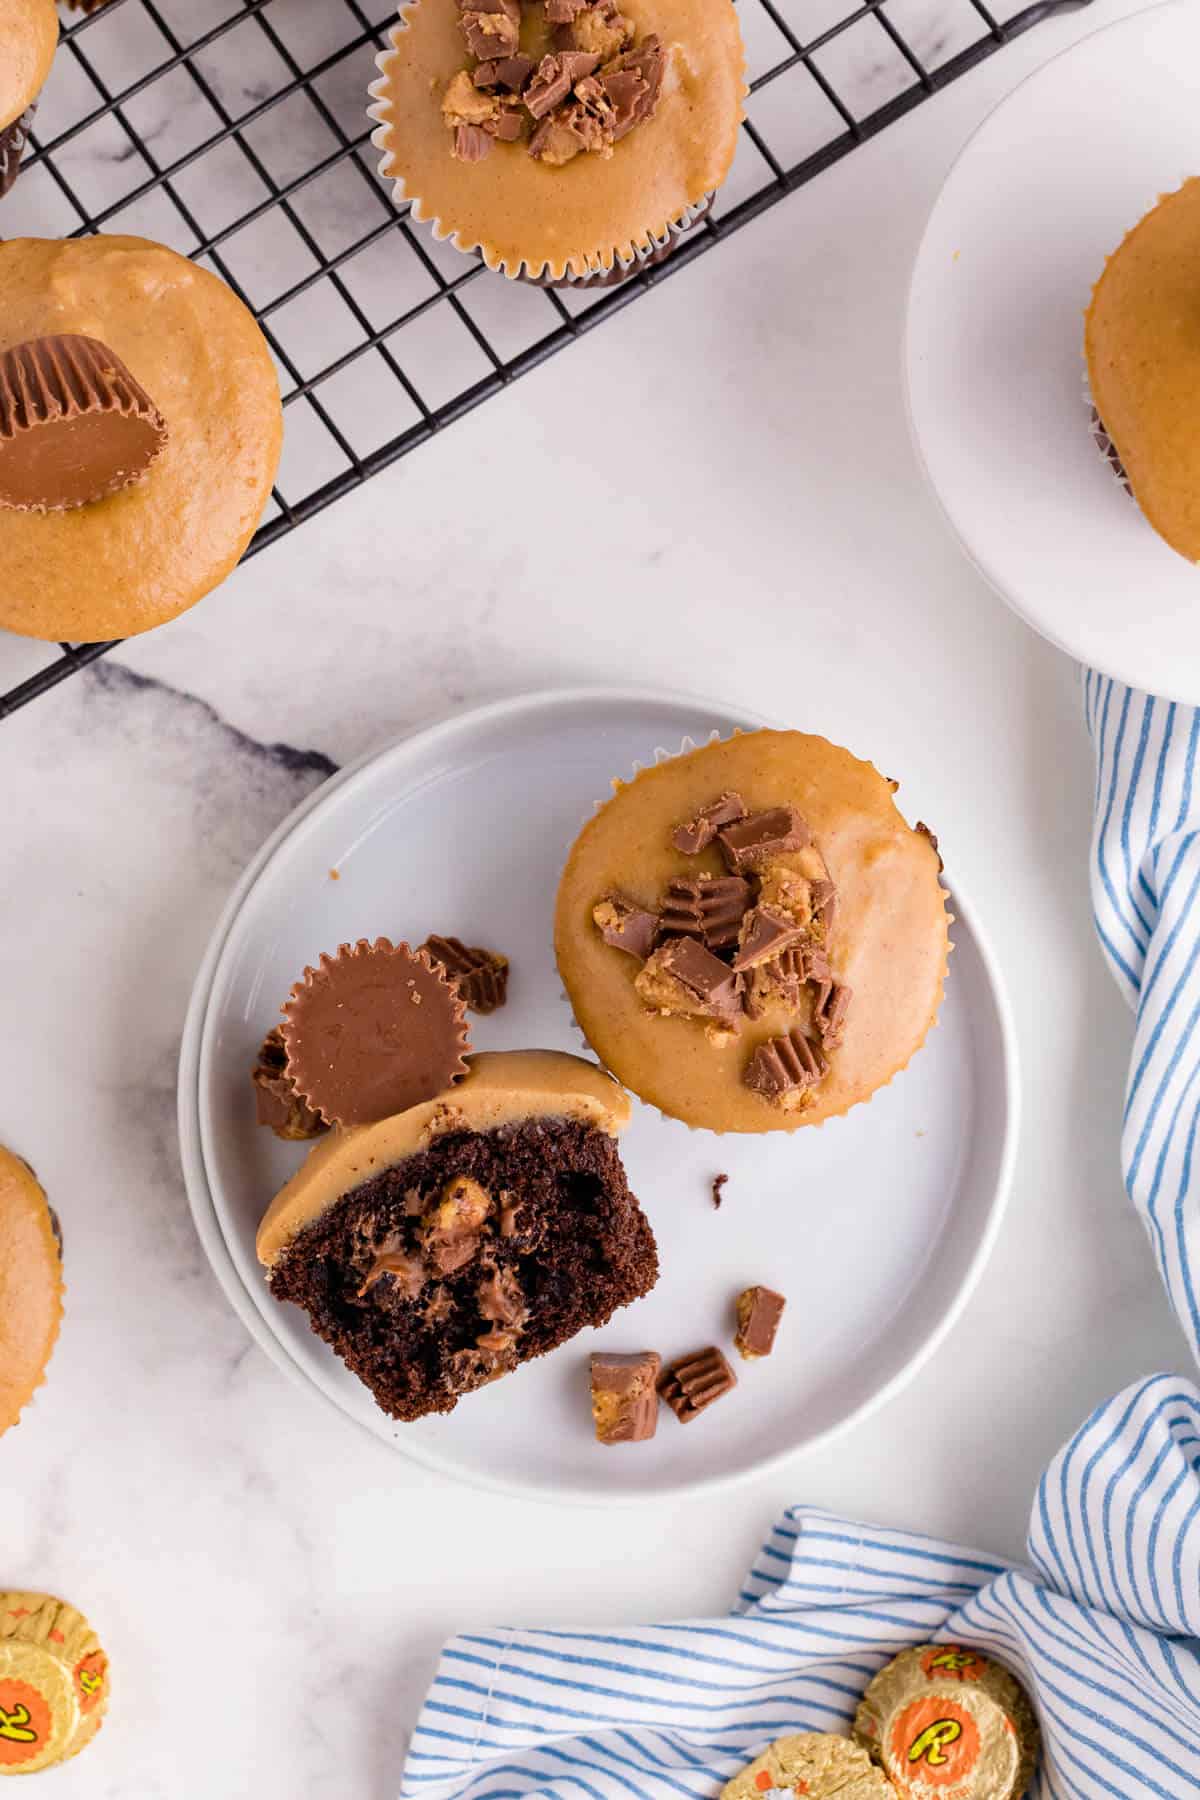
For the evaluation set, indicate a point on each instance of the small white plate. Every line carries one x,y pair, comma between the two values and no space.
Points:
1044,191
875,1226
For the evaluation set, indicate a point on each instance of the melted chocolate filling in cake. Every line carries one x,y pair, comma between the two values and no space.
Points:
481,1252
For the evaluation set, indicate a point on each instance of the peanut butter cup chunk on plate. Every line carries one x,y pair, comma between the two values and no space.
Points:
800,948
564,143
437,1249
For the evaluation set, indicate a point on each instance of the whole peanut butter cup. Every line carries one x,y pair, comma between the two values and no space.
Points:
75,425
372,1031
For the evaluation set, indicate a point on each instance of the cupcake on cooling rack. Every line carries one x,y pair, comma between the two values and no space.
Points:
565,140
751,936
1143,360
140,431
28,40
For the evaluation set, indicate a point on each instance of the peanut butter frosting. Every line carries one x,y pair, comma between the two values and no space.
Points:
30,1286
531,217
1143,355
28,40
889,948
500,1088
123,564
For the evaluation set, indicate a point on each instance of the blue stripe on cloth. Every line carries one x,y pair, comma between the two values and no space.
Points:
1149,927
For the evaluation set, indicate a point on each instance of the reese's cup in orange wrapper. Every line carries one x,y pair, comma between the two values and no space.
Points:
945,1722
817,1764
53,1682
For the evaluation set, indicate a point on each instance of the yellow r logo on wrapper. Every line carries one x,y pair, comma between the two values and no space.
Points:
931,1745
24,1722
952,1660
935,1742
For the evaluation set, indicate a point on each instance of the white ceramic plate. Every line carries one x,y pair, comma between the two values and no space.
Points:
1044,191
875,1226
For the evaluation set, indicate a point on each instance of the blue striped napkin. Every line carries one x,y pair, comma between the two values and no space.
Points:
1145,880
1103,1622
1102,1627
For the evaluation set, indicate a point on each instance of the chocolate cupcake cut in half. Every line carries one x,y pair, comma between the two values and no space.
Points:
751,936
439,1248
565,140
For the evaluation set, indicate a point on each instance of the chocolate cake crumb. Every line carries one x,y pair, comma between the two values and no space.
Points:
522,1236
718,1182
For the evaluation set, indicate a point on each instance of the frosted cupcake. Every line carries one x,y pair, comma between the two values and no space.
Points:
565,140
1143,359
751,936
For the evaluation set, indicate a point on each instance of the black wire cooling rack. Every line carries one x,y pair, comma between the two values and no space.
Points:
235,131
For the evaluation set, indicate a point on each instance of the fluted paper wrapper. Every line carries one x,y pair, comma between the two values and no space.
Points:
605,269
53,1682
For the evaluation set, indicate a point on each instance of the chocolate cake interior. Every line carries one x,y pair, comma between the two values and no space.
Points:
475,1255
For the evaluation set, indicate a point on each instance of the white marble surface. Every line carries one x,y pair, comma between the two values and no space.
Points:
271,1585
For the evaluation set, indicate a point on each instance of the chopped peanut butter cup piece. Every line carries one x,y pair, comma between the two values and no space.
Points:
373,1031
511,72
709,907
779,982
625,1396
691,1385
601,27
829,1013
75,425
699,832
765,934
758,1310
625,925
684,977
279,1105
752,842
784,1068
481,976
556,76
491,27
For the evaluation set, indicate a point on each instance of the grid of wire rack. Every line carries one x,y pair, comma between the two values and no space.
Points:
236,132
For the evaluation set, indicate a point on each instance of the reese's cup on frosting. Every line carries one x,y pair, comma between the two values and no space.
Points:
31,1287
372,1031
53,1682
75,425
818,1764
948,1723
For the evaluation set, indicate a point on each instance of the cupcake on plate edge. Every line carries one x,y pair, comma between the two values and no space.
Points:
1142,347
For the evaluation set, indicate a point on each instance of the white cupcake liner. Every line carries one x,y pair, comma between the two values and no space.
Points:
686,747
601,274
